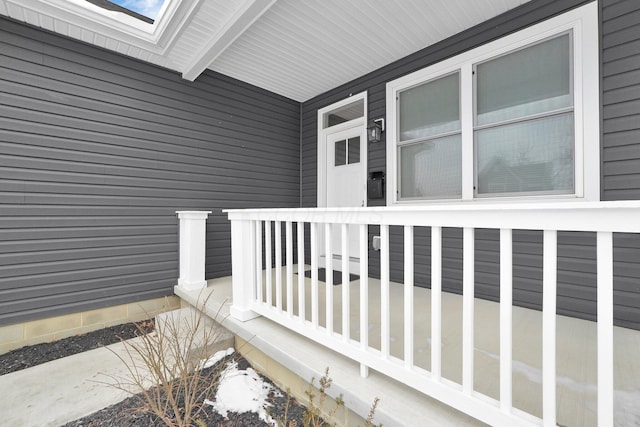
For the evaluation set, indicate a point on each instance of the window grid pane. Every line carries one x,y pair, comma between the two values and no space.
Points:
529,157
343,114
529,81
340,153
431,169
430,109
354,150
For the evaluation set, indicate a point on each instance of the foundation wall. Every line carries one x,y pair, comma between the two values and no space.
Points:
55,328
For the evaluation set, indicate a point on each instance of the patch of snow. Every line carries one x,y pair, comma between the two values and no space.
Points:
242,391
215,358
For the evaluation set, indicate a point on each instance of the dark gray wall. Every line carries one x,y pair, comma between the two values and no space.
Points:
621,99
576,252
620,43
98,151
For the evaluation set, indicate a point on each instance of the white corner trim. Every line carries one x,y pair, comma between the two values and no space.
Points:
244,17
588,102
391,158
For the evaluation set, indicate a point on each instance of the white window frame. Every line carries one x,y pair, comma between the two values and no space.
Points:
583,22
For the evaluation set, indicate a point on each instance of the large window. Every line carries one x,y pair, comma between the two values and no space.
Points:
515,118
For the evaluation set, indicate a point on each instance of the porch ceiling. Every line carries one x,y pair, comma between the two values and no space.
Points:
298,49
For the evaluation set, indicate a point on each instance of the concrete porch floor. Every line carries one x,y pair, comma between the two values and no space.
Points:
403,406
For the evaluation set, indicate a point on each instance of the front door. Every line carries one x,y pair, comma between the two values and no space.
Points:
346,184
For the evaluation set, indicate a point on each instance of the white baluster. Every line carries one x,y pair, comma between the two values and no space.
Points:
549,289
605,328
436,302
408,296
468,294
328,250
384,291
301,272
364,294
289,262
346,303
506,310
268,262
278,243
259,267
314,275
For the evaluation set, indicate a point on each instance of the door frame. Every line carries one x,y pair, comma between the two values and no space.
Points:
323,134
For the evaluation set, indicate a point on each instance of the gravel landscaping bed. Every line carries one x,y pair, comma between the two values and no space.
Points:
33,355
132,411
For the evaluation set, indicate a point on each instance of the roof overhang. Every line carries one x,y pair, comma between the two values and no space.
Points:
298,49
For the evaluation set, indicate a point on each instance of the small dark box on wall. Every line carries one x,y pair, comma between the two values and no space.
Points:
375,185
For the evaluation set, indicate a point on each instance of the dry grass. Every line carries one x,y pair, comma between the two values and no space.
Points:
314,414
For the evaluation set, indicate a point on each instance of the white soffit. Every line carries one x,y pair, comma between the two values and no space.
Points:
301,49
296,48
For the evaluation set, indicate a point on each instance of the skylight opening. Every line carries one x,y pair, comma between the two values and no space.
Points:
148,11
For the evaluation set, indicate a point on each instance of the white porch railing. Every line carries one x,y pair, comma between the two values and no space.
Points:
255,283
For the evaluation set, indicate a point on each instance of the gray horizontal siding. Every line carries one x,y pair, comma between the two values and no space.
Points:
98,151
620,49
621,99
621,142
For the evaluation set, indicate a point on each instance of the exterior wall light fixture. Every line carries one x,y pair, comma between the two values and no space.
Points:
374,133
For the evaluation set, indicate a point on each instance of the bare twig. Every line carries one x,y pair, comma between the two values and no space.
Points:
164,368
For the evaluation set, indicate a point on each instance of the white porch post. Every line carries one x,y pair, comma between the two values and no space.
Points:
192,249
243,266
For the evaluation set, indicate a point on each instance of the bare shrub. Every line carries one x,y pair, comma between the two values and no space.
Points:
165,368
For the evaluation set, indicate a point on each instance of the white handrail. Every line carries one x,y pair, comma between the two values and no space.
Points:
325,224
619,216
